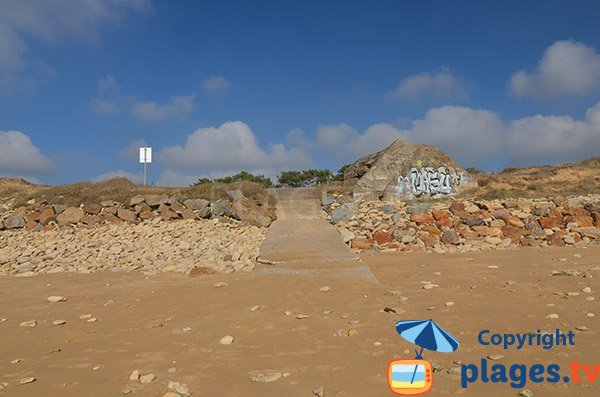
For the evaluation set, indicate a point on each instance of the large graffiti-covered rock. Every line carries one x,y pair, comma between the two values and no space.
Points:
407,170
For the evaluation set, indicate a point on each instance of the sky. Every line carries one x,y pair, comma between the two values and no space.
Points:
219,87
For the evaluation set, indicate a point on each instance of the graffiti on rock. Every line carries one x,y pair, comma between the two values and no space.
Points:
433,181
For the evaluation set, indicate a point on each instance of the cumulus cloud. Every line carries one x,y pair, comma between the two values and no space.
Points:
51,21
229,148
110,99
469,135
19,157
567,68
177,106
214,84
437,85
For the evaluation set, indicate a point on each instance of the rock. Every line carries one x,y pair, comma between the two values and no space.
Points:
27,380
135,375
324,289
29,324
70,216
188,214
59,322
362,243
14,222
495,357
430,286
301,316
221,208
136,200
552,316
450,237
127,215
205,213
47,215
56,298
342,214
381,237
220,284
266,377
318,391
59,208
171,394
3,385
144,379
248,212
180,388
201,271
526,393
92,209
591,232
441,214
422,218
352,332
493,240
155,200
234,195
327,200
196,204
346,234
226,340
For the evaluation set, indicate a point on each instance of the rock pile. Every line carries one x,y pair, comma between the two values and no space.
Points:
215,245
460,226
42,217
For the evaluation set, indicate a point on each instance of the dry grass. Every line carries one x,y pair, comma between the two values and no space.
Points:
121,190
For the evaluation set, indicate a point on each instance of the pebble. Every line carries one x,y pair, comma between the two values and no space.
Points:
492,267
92,320
172,370
301,316
319,392
587,290
495,357
16,361
352,332
377,343
552,315
226,340
287,312
581,328
220,284
266,378
59,322
126,390
324,289
171,394
526,393
85,316
449,303
27,380
454,370
437,273
3,385
135,375
147,378
55,299
430,286
29,323
590,315
186,329
254,308
180,388
590,298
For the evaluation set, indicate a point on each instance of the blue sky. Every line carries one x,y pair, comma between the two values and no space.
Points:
216,87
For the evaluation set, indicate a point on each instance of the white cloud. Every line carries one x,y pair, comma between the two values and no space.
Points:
226,149
437,85
135,178
110,99
177,106
567,68
214,84
19,157
469,135
51,21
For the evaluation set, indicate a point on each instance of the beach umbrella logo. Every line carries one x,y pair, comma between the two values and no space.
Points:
415,376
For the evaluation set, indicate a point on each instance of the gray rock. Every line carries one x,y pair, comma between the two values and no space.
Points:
196,204
221,208
58,208
344,213
155,200
234,195
327,200
450,237
14,222
388,209
135,200
205,213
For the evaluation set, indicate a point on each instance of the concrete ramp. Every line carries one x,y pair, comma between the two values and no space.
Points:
301,241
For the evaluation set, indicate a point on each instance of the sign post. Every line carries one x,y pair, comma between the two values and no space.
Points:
145,158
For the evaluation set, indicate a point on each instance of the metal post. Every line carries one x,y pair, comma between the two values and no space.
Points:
145,182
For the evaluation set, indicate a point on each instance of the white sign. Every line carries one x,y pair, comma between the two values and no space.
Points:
146,155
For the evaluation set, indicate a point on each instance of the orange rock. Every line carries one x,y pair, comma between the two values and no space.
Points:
362,243
422,218
514,221
447,222
47,216
431,229
381,237
581,220
488,231
441,214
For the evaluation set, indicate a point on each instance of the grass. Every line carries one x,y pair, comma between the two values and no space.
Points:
121,190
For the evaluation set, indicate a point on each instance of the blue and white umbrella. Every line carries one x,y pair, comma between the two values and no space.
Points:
428,335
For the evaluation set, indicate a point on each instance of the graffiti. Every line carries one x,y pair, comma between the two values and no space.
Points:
430,181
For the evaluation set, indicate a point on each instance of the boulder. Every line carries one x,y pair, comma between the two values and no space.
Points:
136,200
15,221
47,215
248,212
204,213
343,213
380,237
127,215
177,198
71,215
92,209
450,237
196,204
221,208
155,200
58,208
407,170
327,200
234,195
422,218
188,214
